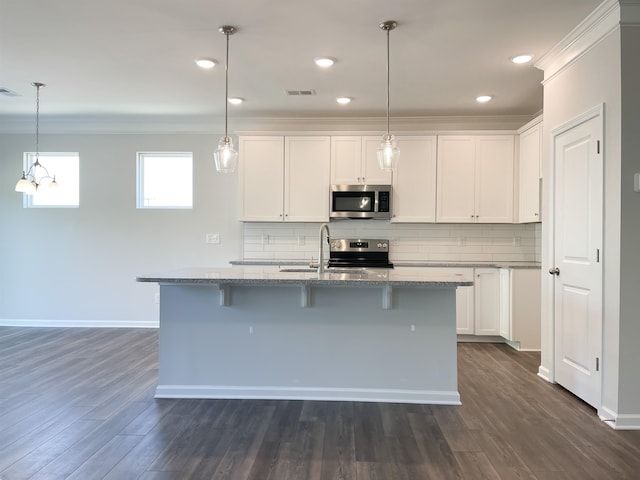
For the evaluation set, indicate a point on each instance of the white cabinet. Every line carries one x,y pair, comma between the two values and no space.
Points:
414,181
520,307
475,179
478,306
284,178
306,179
354,161
464,311
487,301
529,174
260,169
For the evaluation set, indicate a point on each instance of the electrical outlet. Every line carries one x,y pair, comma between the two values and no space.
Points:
212,238
301,240
157,298
265,239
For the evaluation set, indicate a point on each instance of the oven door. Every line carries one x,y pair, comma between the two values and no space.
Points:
353,204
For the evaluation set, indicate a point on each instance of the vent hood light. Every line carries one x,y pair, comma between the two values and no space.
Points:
483,98
343,100
235,100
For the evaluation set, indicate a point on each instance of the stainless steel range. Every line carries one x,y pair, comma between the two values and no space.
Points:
359,252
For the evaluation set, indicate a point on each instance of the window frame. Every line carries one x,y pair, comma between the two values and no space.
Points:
140,156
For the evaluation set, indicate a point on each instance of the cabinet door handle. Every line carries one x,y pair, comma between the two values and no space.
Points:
536,214
554,271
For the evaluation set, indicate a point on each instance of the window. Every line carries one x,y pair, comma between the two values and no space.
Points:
165,180
66,169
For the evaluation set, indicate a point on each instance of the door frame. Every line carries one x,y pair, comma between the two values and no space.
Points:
548,371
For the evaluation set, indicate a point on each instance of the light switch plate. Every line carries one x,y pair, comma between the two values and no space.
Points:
636,182
212,238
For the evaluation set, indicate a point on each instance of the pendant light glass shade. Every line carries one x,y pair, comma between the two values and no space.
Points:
37,174
225,156
388,153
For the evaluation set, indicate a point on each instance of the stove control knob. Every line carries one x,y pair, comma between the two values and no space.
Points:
384,244
379,245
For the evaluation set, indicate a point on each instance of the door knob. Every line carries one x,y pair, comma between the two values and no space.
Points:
554,271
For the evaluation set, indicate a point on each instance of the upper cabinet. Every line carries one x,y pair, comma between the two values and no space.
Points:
284,178
260,170
354,161
529,173
475,179
414,181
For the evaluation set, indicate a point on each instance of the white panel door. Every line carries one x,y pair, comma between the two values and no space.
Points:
414,181
306,179
577,267
494,179
456,179
261,161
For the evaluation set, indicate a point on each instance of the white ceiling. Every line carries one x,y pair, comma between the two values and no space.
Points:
136,57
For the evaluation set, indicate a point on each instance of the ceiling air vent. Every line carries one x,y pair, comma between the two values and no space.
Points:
299,93
8,93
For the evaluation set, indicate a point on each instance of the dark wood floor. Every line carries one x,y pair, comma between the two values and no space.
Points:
78,403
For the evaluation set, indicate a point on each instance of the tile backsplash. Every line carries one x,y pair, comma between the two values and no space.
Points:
409,242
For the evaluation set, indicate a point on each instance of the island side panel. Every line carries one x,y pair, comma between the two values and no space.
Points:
344,346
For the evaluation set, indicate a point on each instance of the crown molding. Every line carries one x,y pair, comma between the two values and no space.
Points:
592,30
198,125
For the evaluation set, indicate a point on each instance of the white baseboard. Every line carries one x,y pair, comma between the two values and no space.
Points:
34,322
544,373
287,393
619,421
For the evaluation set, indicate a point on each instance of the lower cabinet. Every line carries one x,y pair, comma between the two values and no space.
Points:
502,302
520,307
478,307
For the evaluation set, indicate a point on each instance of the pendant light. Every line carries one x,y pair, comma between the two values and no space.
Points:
225,156
32,178
388,153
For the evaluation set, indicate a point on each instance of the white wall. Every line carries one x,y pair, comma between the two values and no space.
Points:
79,265
629,375
607,70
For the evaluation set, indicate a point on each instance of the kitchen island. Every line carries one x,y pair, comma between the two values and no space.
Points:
257,332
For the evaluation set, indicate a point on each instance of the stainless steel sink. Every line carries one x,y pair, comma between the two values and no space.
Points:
298,270
328,270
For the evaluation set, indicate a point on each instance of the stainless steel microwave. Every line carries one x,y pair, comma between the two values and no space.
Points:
361,201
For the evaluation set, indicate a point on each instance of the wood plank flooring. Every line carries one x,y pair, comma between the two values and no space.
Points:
78,404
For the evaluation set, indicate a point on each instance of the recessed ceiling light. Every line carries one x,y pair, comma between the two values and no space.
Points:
483,98
324,62
343,100
525,58
205,62
236,100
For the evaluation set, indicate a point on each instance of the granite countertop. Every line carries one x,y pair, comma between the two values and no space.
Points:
413,264
271,275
